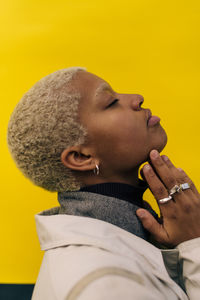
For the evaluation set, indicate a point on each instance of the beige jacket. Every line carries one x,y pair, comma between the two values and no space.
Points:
87,259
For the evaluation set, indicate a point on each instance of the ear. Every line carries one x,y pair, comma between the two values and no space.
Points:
77,158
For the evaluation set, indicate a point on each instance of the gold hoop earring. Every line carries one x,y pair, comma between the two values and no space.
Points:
96,170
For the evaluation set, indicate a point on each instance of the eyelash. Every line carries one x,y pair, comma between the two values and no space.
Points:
113,103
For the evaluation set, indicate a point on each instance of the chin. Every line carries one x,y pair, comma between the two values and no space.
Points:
162,142
159,144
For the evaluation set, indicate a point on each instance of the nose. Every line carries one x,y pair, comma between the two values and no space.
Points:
137,101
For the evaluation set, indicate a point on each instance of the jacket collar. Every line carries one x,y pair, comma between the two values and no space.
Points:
109,209
57,230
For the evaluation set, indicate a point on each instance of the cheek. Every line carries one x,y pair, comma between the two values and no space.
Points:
123,144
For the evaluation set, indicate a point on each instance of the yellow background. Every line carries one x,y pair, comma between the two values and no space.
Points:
138,46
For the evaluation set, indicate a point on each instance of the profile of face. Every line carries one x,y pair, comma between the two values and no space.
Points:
121,133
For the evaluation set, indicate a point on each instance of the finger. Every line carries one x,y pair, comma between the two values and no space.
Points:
170,165
177,174
157,188
169,175
150,224
181,176
185,178
165,174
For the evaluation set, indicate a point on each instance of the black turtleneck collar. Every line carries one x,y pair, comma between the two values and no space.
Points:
121,191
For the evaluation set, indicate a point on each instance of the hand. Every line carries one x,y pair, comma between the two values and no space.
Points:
181,215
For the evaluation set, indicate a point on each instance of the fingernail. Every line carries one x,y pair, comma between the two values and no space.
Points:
154,153
140,213
147,167
181,170
165,158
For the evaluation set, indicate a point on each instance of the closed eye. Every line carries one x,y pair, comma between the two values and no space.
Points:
112,103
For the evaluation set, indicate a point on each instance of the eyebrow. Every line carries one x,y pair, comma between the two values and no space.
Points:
102,87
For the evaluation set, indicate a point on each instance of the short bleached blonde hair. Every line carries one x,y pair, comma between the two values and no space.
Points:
42,125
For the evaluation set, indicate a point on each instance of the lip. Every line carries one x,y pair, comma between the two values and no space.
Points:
151,120
148,114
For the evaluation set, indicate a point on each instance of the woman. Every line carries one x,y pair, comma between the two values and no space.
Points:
73,134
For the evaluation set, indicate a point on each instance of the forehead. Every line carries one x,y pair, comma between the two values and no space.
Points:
90,85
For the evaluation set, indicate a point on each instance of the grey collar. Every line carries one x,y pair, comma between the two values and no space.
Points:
112,210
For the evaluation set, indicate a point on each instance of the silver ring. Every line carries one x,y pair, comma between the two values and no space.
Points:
175,189
165,200
184,186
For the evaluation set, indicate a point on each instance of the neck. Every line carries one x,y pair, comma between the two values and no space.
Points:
130,178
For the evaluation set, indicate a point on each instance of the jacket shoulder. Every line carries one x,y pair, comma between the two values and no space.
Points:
63,267
89,272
